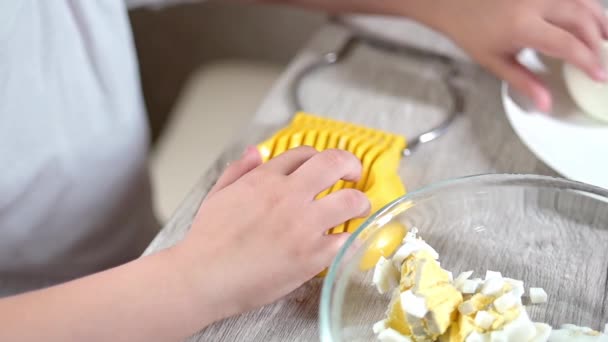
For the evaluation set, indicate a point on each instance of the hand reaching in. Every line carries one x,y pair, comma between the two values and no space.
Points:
260,233
494,31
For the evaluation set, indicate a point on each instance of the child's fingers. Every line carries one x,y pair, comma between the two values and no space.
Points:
329,246
287,162
249,161
599,13
559,43
339,207
325,168
523,80
580,21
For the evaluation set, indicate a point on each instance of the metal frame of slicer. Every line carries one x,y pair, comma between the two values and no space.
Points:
385,182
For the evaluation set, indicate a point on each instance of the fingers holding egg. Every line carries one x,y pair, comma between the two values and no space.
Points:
591,96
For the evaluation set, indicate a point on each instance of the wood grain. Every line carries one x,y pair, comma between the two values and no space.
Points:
378,90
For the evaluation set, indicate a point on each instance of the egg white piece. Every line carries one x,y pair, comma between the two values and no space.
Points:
484,320
411,235
386,275
412,247
392,335
477,337
462,277
413,305
506,301
493,275
466,308
538,295
492,286
518,286
470,286
543,331
498,336
522,329
379,326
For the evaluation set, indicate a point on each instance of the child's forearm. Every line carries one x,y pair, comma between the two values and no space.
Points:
145,300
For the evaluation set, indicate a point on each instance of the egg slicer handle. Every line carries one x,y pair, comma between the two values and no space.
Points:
449,77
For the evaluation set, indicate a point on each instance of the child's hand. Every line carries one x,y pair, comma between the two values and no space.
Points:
494,31
259,234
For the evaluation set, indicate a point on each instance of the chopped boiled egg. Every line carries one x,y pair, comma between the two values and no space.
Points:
442,300
410,248
505,302
391,335
470,286
467,308
521,329
413,305
411,235
396,317
476,337
484,320
428,304
492,286
493,275
538,295
543,331
518,286
379,326
386,275
462,277
498,336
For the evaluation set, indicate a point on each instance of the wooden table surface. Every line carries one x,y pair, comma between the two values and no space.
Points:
390,92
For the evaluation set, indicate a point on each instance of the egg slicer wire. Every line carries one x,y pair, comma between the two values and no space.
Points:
380,152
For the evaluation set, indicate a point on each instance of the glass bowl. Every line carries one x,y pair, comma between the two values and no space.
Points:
550,233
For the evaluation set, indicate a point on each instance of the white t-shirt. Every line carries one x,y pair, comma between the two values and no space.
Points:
74,190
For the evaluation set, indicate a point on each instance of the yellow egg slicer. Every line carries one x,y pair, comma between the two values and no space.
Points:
380,152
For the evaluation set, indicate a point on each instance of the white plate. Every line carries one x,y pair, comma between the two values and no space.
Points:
567,140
